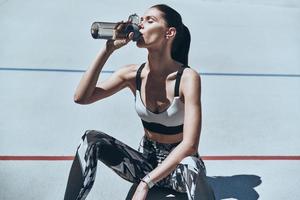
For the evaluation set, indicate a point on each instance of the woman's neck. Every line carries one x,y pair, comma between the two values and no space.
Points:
160,61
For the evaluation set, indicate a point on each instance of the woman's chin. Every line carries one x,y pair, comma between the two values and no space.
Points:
140,43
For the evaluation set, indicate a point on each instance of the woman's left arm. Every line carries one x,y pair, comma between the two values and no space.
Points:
190,88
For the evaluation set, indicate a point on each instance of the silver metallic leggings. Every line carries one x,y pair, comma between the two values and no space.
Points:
189,176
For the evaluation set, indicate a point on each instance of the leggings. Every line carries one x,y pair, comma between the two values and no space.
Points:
189,177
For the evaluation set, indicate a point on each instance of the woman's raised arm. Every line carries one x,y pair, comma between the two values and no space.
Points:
87,91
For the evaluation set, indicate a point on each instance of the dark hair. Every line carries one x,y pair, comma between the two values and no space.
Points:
181,44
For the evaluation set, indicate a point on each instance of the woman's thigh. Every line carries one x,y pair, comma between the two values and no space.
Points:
124,160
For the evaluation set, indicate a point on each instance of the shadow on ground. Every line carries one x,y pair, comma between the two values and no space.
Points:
157,193
240,187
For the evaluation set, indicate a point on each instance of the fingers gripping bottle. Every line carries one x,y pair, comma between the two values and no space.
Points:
108,30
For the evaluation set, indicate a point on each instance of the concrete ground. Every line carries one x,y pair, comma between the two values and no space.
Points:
247,53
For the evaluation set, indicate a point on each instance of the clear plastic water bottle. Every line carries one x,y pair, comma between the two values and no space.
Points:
107,30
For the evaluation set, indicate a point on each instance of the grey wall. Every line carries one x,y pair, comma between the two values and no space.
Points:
227,37
250,107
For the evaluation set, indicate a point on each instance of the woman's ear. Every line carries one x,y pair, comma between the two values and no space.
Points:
171,32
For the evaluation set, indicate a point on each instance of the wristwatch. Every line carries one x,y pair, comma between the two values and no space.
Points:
148,181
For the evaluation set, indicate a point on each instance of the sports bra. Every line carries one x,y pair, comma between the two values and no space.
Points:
167,122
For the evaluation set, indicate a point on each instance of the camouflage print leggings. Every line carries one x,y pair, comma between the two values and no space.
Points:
132,165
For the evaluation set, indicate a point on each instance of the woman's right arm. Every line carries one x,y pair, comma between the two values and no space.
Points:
87,90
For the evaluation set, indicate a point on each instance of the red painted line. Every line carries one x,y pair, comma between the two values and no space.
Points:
38,158
66,158
250,157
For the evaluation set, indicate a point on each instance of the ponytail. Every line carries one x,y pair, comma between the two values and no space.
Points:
181,43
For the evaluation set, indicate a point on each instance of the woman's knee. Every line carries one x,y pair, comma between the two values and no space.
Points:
194,164
89,140
104,145
93,136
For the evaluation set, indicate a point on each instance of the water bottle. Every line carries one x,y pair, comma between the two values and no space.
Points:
106,30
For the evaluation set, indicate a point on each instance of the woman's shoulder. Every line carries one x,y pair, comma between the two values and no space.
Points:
191,83
190,75
190,79
128,71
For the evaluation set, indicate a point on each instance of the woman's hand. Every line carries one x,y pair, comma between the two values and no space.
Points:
141,192
119,40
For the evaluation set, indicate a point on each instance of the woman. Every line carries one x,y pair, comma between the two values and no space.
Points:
167,95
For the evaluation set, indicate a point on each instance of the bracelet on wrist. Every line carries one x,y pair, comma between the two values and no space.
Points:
148,181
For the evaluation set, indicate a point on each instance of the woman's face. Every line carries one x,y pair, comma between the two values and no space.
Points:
153,29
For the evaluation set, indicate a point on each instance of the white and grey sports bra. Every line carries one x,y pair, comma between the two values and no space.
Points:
168,122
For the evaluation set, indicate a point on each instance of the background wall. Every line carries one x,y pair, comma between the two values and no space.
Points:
247,52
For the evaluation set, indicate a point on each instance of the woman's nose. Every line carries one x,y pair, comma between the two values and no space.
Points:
141,25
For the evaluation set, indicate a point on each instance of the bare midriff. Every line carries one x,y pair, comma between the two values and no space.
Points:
168,139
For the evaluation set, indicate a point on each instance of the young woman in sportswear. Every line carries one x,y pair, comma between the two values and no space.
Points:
167,99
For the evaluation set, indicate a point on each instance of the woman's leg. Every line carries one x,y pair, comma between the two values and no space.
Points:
125,161
190,177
